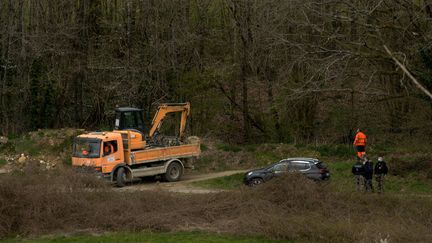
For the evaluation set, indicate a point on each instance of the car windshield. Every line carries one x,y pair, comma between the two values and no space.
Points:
86,148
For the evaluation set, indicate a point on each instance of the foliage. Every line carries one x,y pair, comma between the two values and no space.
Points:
44,142
266,157
203,147
286,208
228,147
404,166
266,71
334,150
27,146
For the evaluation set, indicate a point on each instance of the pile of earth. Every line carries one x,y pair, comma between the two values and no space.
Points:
44,148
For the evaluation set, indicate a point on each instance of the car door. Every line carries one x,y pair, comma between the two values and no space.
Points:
307,168
303,167
280,168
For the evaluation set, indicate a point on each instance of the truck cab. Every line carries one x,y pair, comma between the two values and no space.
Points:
100,150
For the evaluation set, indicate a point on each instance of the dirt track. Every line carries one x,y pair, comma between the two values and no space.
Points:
183,186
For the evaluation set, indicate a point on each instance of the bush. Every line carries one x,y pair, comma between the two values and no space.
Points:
334,150
286,208
27,146
228,147
405,166
265,157
203,147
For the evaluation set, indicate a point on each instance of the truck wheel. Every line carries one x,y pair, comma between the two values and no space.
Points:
174,172
121,177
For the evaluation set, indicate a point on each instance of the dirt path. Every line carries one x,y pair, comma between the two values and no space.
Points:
183,186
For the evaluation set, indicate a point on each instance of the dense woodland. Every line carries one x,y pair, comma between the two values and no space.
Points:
298,71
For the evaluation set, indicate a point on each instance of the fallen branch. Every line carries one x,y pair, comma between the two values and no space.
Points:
405,70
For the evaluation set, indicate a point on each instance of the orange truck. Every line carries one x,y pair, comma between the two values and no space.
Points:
127,152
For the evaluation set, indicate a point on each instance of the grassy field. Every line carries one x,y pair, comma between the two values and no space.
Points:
410,167
341,181
226,182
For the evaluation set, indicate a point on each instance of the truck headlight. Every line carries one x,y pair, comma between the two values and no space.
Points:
250,173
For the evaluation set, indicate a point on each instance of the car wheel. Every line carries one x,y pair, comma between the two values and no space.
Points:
256,181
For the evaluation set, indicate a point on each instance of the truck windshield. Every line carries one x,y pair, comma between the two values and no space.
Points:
86,148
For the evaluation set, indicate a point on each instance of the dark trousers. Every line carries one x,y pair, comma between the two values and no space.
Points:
368,184
359,182
380,182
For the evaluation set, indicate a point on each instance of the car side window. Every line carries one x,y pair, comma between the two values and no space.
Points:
281,167
300,165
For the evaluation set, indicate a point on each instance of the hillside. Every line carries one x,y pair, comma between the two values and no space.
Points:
55,200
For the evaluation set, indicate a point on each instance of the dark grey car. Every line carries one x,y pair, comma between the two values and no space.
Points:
310,167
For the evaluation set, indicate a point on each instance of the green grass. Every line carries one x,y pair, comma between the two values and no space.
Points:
151,237
226,182
334,150
228,147
409,173
343,180
2,161
27,146
203,147
266,157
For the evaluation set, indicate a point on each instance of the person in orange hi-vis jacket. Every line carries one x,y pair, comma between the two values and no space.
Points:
108,149
360,144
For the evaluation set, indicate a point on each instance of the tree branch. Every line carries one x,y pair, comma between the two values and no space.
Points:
248,116
405,70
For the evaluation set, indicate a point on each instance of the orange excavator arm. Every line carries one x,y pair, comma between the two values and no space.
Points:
163,110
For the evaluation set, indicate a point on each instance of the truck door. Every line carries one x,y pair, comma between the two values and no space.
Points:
111,155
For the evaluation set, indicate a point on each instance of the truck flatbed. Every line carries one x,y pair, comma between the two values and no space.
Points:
153,154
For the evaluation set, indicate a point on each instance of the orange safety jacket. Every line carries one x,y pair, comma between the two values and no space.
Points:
108,149
360,139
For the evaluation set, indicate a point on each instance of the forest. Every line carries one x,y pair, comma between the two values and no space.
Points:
298,71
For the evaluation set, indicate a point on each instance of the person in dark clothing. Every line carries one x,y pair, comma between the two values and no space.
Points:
358,172
380,172
368,174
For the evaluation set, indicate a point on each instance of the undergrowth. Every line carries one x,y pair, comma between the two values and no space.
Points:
286,208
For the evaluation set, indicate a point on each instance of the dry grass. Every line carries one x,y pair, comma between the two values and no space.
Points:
36,203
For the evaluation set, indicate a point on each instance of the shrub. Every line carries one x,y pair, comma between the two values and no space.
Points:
290,208
203,147
334,150
406,166
228,147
